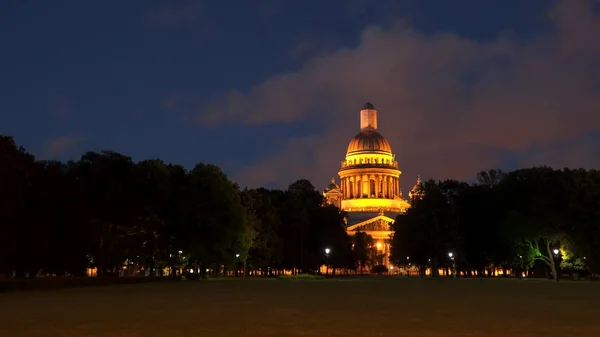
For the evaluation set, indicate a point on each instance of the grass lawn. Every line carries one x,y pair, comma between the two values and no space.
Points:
352,307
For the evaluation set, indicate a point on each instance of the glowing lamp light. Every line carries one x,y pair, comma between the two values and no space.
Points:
327,250
556,251
378,244
450,254
237,255
408,257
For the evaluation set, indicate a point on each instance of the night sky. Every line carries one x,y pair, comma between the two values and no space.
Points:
271,90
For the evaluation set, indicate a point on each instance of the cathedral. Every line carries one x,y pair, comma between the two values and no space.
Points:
369,187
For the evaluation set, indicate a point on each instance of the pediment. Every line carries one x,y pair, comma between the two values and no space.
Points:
333,191
378,223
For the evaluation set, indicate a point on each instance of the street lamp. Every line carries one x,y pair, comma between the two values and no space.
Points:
556,262
451,256
327,251
237,265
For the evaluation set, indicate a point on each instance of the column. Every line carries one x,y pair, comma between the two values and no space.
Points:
346,188
361,186
389,187
385,186
399,189
377,185
349,184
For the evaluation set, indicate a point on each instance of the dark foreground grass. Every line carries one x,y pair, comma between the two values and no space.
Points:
365,307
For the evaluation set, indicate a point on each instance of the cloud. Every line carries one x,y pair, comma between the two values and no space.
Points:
61,146
313,46
450,106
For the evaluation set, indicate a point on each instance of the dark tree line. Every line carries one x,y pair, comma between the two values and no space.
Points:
107,212
537,221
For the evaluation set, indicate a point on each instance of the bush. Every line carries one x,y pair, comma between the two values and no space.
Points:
379,269
301,277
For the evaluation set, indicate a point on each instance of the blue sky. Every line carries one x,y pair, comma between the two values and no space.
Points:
270,90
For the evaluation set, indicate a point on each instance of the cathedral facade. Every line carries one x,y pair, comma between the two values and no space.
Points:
369,186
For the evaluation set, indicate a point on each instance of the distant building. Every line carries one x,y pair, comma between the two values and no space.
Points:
369,188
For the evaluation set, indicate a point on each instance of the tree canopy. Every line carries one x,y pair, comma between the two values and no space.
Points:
107,212
529,219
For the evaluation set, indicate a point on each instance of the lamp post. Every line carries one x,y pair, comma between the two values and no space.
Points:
451,256
327,251
521,266
237,266
430,265
556,252
408,266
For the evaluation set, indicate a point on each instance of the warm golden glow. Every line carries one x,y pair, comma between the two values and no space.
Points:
369,182
373,205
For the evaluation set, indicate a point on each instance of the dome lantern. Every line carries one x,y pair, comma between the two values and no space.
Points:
368,117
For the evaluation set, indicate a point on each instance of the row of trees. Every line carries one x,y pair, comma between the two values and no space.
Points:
529,219
107,212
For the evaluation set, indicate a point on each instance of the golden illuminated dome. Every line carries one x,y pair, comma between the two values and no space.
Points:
369,141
